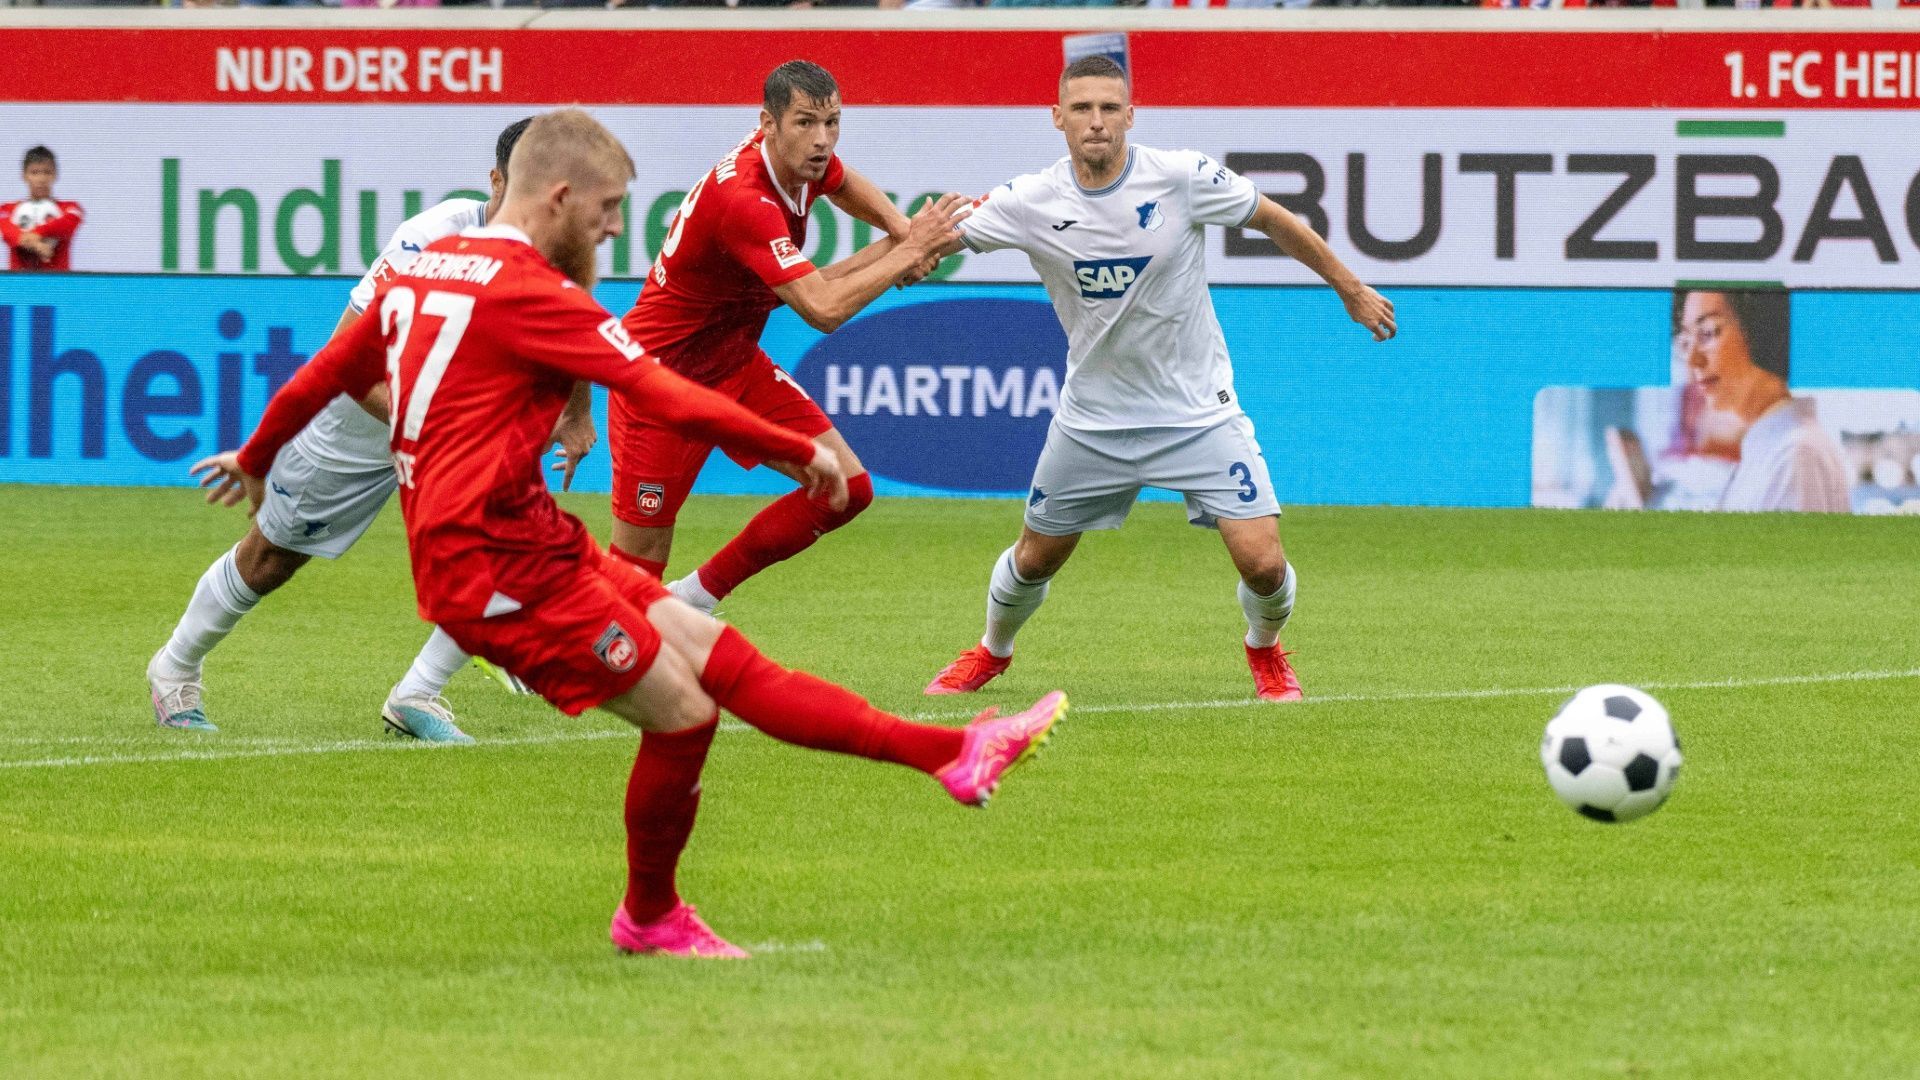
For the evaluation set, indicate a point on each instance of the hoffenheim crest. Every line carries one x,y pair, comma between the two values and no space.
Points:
616,649
1150,218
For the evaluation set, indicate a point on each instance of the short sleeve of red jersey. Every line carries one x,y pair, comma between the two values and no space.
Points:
754,233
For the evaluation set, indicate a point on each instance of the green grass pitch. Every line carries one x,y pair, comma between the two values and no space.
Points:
1375,883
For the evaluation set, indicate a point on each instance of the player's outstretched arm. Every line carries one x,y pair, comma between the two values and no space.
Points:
1296,238
565,330
859,260
861,198
374,401
229,476
826,303
349,364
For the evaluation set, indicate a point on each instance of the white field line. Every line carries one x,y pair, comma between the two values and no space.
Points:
282,749
1457,695
759,948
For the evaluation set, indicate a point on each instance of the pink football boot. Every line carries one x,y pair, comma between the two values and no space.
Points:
679,932
995,744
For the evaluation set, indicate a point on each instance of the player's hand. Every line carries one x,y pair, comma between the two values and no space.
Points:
823,476
1371,310
575,436
935,226
920,271
226,482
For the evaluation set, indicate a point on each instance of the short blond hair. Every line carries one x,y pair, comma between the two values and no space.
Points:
567,145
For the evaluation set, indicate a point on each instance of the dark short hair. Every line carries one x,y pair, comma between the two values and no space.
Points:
799,77
1764,322
39,155
503,147
1095,67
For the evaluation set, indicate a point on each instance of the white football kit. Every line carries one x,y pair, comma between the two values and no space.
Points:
1149,398
329,483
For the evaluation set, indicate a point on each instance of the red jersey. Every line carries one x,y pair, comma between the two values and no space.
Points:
735,238
55,219
480,341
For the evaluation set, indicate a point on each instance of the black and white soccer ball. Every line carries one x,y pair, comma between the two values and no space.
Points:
1611,754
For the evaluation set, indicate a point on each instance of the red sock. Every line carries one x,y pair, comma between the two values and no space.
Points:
781,531
662,796
796,707
657,569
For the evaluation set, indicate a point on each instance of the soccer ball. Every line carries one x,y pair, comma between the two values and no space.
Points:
1610,753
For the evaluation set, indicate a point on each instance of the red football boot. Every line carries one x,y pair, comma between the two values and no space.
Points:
972,670
1273,677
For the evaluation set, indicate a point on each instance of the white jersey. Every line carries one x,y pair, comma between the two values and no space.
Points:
1126,269
343,437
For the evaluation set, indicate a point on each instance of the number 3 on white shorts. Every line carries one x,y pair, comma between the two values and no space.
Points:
455,310
1248,490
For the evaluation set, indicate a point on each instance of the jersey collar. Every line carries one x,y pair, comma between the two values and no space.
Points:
1110,188
497,232
780,189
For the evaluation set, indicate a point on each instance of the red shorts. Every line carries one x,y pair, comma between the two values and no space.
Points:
654,468
582,645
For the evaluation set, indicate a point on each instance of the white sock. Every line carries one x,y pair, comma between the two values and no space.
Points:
1267,615
690,590
439,661
1011,601
219,600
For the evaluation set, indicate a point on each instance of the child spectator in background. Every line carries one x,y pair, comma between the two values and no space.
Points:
39,229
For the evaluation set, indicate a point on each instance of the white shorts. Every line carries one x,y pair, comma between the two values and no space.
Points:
1088,480
316,509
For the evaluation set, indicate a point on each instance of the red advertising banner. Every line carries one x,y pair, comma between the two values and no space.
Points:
1172,68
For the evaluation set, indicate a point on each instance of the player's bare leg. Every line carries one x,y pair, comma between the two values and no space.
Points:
1014,592
704,664
1266,589
225,593
645,546
233,586
784,529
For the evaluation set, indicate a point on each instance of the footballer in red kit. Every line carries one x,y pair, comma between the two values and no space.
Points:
733,254
478,343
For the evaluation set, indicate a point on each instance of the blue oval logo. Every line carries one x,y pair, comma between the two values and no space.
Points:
952,394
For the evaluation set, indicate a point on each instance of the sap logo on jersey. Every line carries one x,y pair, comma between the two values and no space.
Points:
1105,279
953,395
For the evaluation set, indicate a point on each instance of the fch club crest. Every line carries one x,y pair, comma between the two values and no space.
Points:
616,649
650,497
